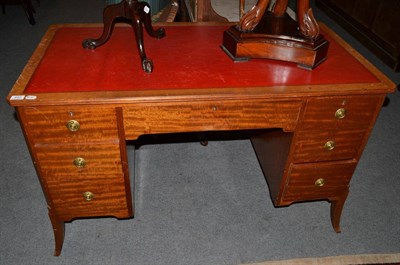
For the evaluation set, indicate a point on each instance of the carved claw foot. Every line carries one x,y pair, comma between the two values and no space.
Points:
147,66
89,44
309,26
251,19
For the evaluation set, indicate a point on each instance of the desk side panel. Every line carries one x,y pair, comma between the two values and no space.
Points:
272,149
65,183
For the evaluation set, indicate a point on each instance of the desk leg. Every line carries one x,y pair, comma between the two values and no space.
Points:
59,232
336,211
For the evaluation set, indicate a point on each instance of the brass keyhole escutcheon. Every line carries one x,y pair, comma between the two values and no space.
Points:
320,182
88,196
340,113
73,125
79,162
330,145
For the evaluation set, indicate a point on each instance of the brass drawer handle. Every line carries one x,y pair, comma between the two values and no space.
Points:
330,145
79,162
320,182
340,113
88,196
73,126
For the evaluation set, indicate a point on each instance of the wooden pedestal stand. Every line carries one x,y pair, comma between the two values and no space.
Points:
135,13
275,38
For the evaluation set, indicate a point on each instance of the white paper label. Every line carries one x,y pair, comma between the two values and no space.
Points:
17,97
30,97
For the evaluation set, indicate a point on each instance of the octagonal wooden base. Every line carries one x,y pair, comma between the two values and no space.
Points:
275,38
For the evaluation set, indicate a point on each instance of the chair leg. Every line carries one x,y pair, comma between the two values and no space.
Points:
241,8
29,10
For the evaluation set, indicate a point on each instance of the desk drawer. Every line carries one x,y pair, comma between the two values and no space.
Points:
50,124
313,146
210,116
340,112
315,181
82,197
68,161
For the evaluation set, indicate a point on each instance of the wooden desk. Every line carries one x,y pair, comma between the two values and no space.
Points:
77,108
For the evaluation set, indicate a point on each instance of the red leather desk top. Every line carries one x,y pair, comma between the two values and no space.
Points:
188,57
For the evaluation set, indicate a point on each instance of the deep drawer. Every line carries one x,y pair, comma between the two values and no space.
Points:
73,198
315,181
50,124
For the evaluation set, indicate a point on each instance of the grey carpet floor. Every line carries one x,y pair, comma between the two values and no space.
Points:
194,204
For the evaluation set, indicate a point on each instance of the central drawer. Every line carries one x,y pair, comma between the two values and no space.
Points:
195,116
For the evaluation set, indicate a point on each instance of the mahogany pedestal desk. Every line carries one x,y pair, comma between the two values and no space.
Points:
78,107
